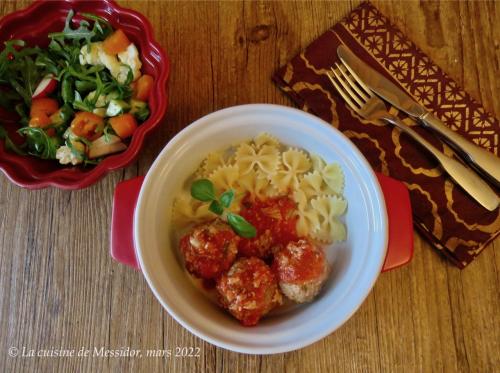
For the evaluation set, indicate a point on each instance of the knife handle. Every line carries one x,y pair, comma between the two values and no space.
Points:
476,187
481,159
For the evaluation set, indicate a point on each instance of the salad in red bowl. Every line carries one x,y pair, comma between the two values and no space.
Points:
79,94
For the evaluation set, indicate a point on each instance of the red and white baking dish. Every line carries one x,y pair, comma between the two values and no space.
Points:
378,220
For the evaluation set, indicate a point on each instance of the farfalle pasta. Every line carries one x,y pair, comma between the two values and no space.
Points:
265,139
187,210
225,177
294,163
212,162
249,157
328,210
264,168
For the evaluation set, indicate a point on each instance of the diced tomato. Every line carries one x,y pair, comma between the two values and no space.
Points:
47,106
124,125
116,43
87,125
40,120
143,87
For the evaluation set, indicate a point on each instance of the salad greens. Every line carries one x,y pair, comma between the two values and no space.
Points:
9,144
80,87
203,190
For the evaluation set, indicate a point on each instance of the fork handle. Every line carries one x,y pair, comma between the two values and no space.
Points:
484,161
463,176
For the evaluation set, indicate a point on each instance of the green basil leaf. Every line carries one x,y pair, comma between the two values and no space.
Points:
203,190
241,226
216,207
226,198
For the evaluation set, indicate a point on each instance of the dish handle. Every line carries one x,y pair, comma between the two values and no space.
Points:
397,202
122,221
397,199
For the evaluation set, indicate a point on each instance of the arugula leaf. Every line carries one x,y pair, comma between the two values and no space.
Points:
45,62
21,91
76,152
7,97
80,33
107,132
203,190
130,75
67,91
84,86
18,69
7,57
80,104
9,144
39,143
100,31
242,227
21,111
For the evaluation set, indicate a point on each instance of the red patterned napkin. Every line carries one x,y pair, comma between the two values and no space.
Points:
455,224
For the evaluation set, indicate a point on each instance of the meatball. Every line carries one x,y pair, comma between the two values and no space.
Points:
302,269
210,249
249,290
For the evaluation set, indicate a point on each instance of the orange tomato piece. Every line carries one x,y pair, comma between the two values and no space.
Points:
124,125
143,87
116,43
47,106
40,120
87,125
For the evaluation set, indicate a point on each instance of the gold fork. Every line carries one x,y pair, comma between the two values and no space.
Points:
363,101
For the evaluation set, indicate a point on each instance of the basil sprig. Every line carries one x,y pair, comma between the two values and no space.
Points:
203,190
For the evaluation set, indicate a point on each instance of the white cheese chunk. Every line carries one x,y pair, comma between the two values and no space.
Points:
94,54
131,58
66,156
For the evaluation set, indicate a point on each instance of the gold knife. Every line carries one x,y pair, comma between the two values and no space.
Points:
482,160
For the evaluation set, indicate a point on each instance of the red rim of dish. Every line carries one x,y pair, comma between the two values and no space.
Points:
16,167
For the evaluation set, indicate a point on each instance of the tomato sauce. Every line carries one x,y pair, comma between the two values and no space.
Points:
275,220
209,250
299,262
249,290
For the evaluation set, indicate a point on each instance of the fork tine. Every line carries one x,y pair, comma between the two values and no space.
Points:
344,95
352,82
346,86
358,79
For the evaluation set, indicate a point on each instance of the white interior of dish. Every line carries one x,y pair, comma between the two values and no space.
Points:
357,262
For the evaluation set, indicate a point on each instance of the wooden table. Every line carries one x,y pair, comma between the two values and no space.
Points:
60,288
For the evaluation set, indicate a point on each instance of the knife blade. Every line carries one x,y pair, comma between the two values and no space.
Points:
483,161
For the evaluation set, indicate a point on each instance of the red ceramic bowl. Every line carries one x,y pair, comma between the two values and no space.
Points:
32,25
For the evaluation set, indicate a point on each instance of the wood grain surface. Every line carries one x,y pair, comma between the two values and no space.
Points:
59,288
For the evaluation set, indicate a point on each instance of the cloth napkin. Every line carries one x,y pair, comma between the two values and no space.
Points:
453,222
